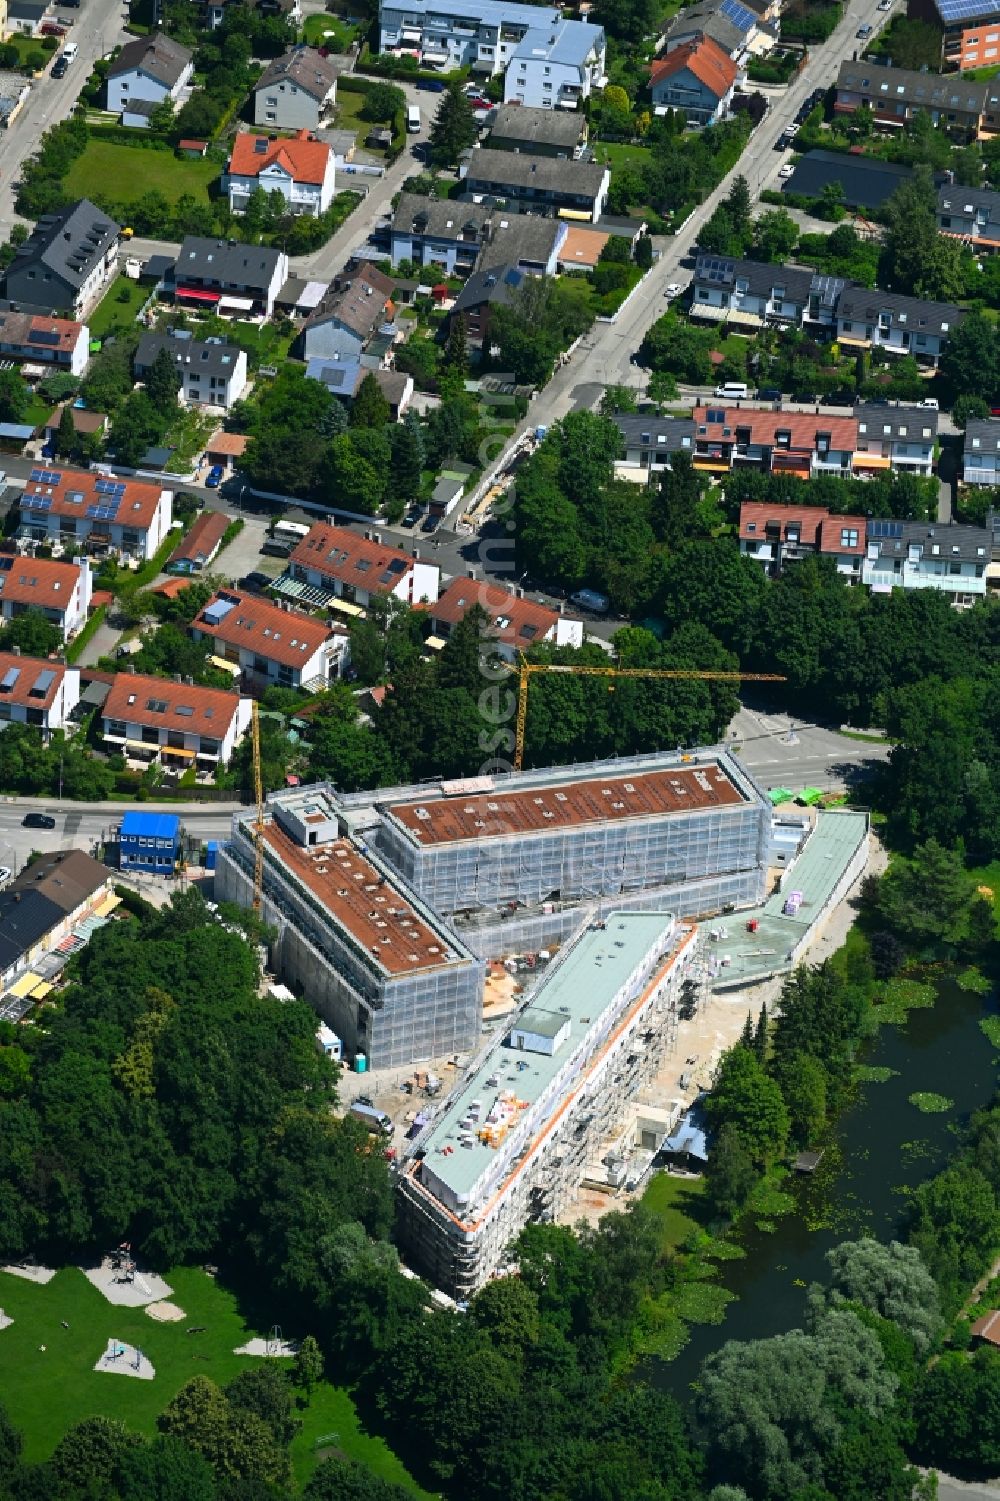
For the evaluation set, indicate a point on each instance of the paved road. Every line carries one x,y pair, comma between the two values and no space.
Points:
97,28
785,752
82,825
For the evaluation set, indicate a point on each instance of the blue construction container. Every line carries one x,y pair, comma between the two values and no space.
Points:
150,842
211,854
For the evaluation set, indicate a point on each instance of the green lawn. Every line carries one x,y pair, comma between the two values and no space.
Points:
619,155
106,167
318,27
48,1380
112,313
26,45
675,1201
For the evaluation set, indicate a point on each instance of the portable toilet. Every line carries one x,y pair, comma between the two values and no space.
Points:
211,854
360,1063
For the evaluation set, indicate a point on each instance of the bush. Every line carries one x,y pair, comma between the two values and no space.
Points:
49,43
35,60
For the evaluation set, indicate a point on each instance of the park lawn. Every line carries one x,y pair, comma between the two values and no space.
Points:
107,167
675,1202
112,314
46,1391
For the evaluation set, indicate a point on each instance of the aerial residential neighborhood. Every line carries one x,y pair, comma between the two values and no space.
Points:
499,839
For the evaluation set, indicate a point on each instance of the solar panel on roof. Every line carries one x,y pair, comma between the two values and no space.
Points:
738,14
959,10
50,336
45,477
886,529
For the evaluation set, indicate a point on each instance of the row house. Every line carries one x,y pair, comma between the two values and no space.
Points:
981,452
969,214
569,189
537,132
897,437
869,318
227,277
482,35
513,623
556,67
800,443
749,294
896,95
271,645
776,534
28,338
970,30
38,692
335,568
882,554
172,722
650,442
58,590
439,233
95,512
916,555
300,168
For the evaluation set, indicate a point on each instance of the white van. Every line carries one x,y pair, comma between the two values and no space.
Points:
412,117
69,51
733,390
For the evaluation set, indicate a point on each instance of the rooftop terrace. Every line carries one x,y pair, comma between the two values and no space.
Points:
497,1099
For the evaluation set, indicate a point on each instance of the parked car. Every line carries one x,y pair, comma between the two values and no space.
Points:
768,393
38,821
863,33
430,523
931,403
60,67
882,4
50,28
786,170
256,582
214,477
674,290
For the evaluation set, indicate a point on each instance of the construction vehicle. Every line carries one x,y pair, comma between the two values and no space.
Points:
526,671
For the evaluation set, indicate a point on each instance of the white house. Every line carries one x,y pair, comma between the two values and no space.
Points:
356,305
873,319
67,261
333,565
212,372
479,34
513,623
896,438
147,71
33,340
981,452
917,555
59,591
38,692
300,168
228,277
554,67
296,90
270,644
94,512
175,723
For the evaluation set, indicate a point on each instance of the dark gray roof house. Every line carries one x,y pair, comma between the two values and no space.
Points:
866,182
214,357
914,314
899,93
542,132
649,441
542,181
67,257
54,887
158,56
522,240
754,277
307,68
898,421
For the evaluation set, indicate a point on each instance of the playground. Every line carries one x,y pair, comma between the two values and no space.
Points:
54,1371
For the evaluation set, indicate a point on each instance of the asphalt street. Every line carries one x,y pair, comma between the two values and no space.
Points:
82,825
97,27
785,752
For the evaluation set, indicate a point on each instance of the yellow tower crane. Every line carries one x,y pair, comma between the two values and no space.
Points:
258,827
526,671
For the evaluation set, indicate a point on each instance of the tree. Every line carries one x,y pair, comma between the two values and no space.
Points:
888,955
14,396
90,1452
456,349
968,408
678,496
66,440
775,235
346,1480
454,129
308,1367
137,424
956,1407
164,1470
163,116
163,383
369,408
804,1089
407,462
893,1281
32,634
237,1443
745,1097
383,101
731,1173
928,899
626,20
739,206
971,357
772,1412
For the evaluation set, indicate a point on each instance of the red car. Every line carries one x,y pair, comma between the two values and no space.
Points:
51,29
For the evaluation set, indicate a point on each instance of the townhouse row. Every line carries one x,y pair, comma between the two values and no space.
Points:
881,553
719,438
754,294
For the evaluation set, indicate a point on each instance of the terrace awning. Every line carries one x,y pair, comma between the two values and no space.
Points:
346,607
744,318
25,985
108,905
233,668
871,461
177,750
198,294
238,304
854,343
707,310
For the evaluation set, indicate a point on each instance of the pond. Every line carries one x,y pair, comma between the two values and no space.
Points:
881,1145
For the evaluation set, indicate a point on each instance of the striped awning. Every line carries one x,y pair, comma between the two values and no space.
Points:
41,991
108,905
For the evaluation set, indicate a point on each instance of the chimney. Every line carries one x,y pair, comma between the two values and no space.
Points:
377,537
470,573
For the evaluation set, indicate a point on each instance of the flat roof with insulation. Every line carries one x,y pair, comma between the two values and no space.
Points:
563,805
364,902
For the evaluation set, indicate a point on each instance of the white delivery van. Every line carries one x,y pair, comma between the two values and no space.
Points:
733,390
412,117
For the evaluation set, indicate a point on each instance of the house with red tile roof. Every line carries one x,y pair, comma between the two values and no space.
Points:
514,623
272,645
59,591
778,534
36,691
178,724
298,167
779,442
28,338
95,512
697,77
332,567
201,545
